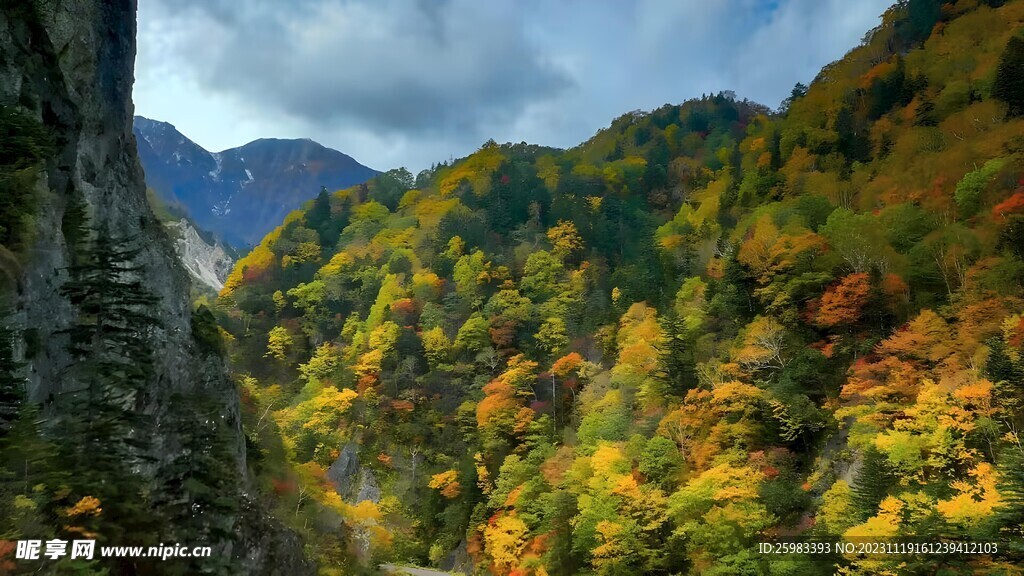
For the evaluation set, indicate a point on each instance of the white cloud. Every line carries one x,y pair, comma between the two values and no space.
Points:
405,82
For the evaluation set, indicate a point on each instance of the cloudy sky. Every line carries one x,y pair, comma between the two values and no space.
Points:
410,82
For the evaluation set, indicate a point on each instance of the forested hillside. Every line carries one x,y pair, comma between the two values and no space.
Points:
710,324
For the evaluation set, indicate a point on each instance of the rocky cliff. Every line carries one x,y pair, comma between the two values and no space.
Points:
69,64
209,264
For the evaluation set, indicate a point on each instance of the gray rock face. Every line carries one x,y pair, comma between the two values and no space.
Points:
458,561
69,63
352,481
208,264
368,489
342,472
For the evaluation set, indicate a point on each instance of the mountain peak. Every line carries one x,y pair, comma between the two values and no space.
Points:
240,193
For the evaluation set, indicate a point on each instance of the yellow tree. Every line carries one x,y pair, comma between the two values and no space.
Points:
504,539
447,483
565,239
436,345
279,341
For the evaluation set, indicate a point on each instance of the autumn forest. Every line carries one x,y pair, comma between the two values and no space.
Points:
711,325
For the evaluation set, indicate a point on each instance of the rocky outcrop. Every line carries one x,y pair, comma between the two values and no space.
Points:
353,482
343,470
458,561
69,64
367,487
209,264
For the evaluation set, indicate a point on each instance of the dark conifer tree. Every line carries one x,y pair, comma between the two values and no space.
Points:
1009,517
921,16
1000,367
874,479
1012,237
925,113
12,384
852,142
105,436
319,216
27,460
616,153
675,361
197,486
1009,83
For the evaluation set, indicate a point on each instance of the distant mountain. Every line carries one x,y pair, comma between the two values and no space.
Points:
242,193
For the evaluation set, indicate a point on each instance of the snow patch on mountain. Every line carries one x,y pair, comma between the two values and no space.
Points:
222,208
220,191
215,173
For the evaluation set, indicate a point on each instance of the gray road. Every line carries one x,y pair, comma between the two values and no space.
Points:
393,569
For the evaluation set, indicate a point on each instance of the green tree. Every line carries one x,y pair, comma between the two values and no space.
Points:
105,435
1009,517
318,217
551,336
660,461
198,490
541,276
389,187
969,189
12,383
24,143
280,302
1000,367
874,479
279,341
675,360
437,346
1009,83
473,336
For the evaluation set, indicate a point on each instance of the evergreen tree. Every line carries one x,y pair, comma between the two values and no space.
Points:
1000,367
1012,237
318,217
28,466
675,361
798,92
12,384
655,176
29,471
874,479
24,143
1009,83
105,435
893,89
197,487
920,17
851,142
1009,517
560,558
616,153
925,113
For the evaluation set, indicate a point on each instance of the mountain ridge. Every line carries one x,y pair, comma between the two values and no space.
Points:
240,193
